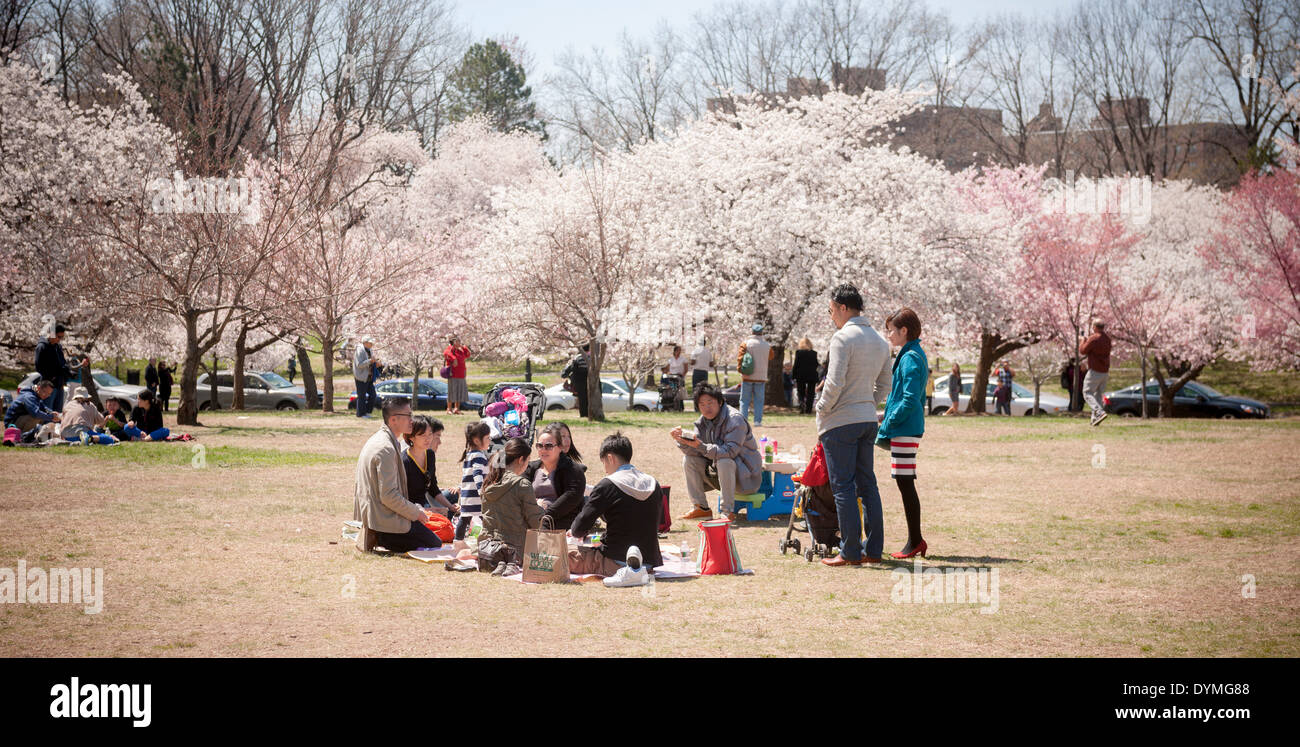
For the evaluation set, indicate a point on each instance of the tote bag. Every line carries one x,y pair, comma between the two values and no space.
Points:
546,555
718,554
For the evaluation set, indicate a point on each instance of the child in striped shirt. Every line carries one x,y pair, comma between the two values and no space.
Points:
474,465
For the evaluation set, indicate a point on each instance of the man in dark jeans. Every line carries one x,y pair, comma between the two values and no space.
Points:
857,377
53,366
363,371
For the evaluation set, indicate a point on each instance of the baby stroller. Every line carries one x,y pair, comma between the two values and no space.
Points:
816,504
508,421
671,390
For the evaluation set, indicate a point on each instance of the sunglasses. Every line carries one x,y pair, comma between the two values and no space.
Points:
546,446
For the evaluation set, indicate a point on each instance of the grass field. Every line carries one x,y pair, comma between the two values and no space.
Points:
1131,539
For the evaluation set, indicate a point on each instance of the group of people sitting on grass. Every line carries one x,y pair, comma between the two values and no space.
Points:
510,492
29,418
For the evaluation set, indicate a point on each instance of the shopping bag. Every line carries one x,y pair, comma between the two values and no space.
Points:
546,555
718,554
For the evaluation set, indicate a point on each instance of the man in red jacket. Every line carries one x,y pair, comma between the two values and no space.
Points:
1096,349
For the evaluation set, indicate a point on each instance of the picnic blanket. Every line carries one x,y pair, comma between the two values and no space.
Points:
672,569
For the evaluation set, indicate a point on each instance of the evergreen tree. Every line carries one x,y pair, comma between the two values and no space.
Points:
490,83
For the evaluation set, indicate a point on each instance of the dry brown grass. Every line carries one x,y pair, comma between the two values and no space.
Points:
1141,557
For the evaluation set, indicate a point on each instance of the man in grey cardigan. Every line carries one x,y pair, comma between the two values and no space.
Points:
724,441
858,376
387,517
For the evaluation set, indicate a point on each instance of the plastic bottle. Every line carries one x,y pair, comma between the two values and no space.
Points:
686,550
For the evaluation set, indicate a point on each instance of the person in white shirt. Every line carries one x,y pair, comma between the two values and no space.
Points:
701,362
677,367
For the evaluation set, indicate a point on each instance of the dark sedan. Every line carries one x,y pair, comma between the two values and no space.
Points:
433,394
1194,400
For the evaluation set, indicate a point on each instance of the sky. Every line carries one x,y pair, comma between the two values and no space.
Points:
547,27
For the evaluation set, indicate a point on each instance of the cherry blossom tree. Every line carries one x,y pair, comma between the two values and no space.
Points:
758,214
1256,248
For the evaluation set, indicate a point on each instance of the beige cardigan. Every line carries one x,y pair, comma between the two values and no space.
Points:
380,503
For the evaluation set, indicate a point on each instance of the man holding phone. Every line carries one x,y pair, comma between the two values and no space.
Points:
721,455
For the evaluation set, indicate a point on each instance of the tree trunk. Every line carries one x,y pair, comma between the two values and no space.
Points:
214,403
774,393
595,400
187,410
415,388
308,376
327,354
1038,387
237,395
1142,388
88,381
1167,392
992,348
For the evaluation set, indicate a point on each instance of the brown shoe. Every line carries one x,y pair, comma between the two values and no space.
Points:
731,517
698,513
839,560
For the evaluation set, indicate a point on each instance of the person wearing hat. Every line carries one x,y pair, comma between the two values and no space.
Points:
363,370
81,417
753,384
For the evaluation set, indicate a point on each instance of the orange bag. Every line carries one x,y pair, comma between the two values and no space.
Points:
440,525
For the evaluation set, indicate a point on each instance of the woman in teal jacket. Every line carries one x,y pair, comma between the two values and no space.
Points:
904,421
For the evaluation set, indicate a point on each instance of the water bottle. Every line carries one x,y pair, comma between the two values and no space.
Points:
686,550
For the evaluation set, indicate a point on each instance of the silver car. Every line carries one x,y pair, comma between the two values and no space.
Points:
1022,401
263,390
106,384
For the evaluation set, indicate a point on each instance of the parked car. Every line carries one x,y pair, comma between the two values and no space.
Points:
106,383
433,394
263,390
1022,401
613,394
1194,400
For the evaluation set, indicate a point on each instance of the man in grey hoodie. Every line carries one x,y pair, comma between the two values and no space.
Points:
629,501
858,376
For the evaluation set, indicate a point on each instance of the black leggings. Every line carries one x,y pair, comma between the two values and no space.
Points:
807,395
911,509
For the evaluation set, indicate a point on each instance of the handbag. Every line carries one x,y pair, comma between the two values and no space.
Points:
445,372
492,552
815,473
546,555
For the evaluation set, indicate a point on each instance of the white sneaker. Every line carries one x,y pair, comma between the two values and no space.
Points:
628,577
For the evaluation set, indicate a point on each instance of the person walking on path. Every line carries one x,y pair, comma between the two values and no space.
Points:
857,377
454,357
752,364
363,371
954,390
1096,352
293,368
805,375
904,422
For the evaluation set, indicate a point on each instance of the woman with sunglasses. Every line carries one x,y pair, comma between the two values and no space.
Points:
557,482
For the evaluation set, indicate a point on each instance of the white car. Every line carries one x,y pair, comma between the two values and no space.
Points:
1021,403
613,393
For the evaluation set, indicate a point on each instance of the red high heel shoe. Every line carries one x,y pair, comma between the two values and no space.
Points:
918,550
